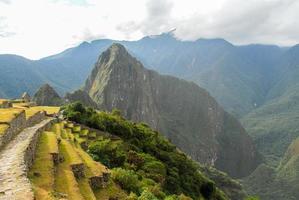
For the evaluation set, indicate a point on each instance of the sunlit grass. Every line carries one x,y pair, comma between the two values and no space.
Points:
8,114
41,173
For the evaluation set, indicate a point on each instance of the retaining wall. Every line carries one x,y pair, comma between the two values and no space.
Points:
36,118
15,126
29,154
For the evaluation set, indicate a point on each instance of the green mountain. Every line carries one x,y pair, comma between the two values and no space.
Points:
275,124
182,111
280,183
47,96
237,76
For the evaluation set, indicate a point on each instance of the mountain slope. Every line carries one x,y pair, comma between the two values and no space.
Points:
130,149
280,183
17,76
275,124
47,96
184,112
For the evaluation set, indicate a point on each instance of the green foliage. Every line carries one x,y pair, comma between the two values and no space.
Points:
147,195
107,152
127,179
145,158
252,198
132,196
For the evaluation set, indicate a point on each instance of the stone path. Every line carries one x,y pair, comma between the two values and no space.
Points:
14,184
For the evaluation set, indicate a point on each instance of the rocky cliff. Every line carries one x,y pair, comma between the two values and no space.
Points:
47,96
181,110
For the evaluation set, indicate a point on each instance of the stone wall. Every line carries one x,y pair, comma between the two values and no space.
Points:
15,126
31,148
29,154
6,104
78,170
36,118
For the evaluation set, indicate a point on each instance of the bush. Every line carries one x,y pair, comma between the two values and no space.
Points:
147,195
107,152
127,179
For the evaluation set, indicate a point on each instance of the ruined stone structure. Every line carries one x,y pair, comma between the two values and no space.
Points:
78,170
5,104
26,97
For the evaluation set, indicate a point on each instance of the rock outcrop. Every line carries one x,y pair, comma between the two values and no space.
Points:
47,96
182,111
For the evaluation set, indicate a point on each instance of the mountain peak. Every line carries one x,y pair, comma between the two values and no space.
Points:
47,96
120,81
114,52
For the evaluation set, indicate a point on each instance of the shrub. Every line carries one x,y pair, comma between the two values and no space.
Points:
107,152
127,179
147,195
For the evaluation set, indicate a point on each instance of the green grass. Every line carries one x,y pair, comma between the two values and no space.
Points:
62,184
65,181
84,133
52,142
43,184
3,128
92,135
112,190
77,129
8,114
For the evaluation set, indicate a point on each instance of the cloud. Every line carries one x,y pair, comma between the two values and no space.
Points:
3,29
37,28
158,19
262,21
5,1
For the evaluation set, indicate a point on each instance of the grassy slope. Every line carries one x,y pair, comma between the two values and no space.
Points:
43,184
277,184
274,126
62,183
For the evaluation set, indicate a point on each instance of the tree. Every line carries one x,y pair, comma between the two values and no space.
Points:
147,195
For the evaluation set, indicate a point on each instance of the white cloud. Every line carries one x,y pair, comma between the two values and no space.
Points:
36,28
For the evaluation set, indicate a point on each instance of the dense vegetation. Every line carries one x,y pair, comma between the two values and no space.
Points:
144,163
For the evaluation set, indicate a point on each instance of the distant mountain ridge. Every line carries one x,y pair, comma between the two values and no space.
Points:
225,70
181,110
248,81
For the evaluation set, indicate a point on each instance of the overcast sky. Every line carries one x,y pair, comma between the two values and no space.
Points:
38,28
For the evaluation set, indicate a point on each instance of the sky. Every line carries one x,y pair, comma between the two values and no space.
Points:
39,28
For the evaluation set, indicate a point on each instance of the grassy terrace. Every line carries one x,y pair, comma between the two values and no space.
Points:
65,181
8,114
50,184
2,101
33,110
42,171
3,128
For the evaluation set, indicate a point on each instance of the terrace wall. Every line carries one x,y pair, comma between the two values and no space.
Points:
6,104
29,154
15,126
36,118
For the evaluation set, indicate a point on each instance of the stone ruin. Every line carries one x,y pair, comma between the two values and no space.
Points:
78,170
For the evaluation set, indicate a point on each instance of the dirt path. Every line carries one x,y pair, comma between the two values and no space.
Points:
14,184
